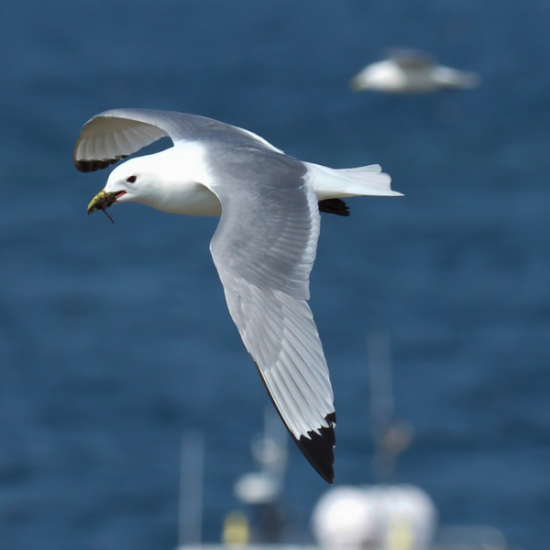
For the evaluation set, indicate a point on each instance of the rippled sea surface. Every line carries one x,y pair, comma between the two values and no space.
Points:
115,339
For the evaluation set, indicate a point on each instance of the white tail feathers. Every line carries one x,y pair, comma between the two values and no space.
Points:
329,183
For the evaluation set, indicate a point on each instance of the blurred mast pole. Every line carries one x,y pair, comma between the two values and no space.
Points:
390,436
191,489
380,378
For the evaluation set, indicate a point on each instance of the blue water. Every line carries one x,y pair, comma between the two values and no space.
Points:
115,340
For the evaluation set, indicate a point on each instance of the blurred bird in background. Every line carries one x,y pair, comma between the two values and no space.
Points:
411,72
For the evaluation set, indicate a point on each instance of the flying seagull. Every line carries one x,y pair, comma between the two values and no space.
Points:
411,72
264,246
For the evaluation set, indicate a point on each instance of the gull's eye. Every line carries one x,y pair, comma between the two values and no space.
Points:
131,179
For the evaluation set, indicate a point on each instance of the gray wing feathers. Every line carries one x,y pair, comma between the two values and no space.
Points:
115,134
281,336
269,227
264,249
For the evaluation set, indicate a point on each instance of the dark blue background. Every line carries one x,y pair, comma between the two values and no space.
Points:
115,340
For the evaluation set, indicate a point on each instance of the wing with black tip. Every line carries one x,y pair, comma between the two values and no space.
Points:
264,249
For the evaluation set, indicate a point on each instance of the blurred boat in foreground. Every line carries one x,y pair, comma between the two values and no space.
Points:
384,516
411,72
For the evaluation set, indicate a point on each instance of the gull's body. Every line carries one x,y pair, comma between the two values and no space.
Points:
411,72
264,246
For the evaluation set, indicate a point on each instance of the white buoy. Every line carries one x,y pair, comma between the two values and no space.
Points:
345,517
386,517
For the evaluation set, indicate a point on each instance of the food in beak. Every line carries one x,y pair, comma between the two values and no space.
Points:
103,200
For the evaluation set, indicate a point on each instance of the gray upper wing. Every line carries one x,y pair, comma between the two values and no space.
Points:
115,134
264,249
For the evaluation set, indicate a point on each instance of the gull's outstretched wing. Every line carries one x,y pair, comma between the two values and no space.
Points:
264,249
115,134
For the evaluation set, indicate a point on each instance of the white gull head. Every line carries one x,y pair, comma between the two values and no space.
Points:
169,181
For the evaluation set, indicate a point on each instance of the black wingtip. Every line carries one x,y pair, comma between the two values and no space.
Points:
318,448
93,165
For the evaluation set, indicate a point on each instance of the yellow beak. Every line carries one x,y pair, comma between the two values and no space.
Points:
102,201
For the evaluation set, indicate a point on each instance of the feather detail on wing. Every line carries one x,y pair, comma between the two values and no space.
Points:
106,139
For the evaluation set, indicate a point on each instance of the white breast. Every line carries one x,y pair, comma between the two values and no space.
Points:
190,199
